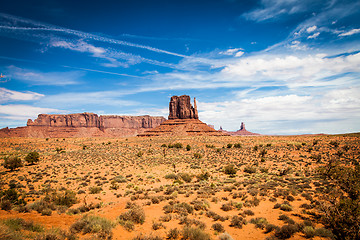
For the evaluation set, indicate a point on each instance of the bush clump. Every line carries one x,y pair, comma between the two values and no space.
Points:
12,163
32,157
101,227
135,214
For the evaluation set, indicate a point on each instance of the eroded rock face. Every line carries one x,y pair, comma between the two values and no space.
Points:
83,125
181,108
68,120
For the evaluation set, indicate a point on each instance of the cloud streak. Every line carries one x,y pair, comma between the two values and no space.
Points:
38,26
44,78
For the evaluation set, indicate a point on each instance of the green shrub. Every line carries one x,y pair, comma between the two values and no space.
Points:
135,214
250,169
229,169
308,231
225,236
101,227
95,189
229,145
12,163
286,231
186,177
173,234
190,233
203,176
32,157
237,145
218,227
188,147
259,222
237,222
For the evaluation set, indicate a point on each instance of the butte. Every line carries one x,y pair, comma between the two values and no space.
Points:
183,120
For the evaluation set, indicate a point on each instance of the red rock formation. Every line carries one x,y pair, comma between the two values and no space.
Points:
241,132
180,108
83,125
183,121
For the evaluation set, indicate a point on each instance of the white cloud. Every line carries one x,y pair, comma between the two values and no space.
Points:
351,32
24,112
44,78
315,35
311,29
233,52
296,114
10,95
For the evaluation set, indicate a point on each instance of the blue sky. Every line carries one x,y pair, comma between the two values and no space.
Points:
280,66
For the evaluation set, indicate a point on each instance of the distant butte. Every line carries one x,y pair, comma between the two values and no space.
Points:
241,132
183,120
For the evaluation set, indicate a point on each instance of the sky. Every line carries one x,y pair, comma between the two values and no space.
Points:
280,66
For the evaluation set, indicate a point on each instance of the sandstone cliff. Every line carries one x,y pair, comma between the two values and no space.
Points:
83,125
180,108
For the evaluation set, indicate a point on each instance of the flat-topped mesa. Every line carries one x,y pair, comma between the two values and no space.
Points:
181,108
68,120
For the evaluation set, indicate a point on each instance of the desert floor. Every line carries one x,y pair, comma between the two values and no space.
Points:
158,184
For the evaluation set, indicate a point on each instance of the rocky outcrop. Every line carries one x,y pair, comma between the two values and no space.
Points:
180,108
183,121
241,132
83,125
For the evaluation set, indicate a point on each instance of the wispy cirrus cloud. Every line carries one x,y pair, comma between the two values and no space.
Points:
36,77
351,32
7,95
30,30
24,112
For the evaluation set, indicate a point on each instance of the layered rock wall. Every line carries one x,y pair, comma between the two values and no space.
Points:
181,108
83,125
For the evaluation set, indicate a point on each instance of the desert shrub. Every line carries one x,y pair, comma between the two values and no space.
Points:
12,163
101,227
140,154
163,145
323,232
237,222
227,207
286,207
95,189
270,228
229,169
229,145
178,145
225,236
200,205
308,231
259,222
17,224
188,147
157,225
204,176
165,218
250,169
135,214
218,227
146,237
173,234
197,155
171,176
341,214
190,233
286,231
10,197
64,198
249,212
262,153
237,145
186,177
32,157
